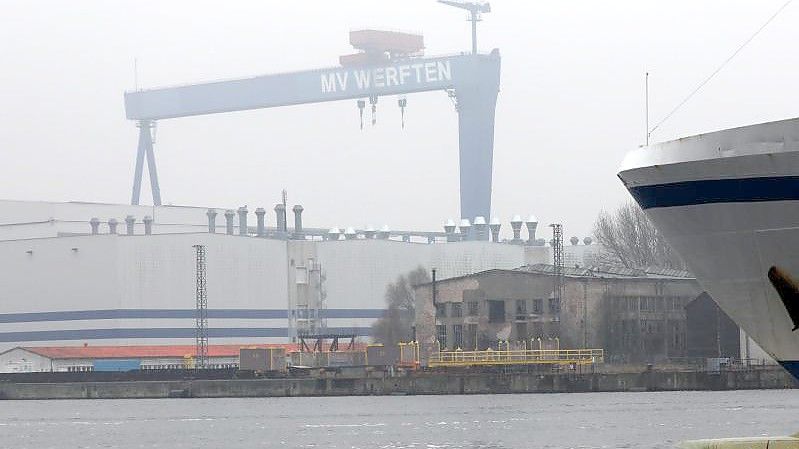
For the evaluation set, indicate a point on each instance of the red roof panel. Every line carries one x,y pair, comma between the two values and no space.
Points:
138,352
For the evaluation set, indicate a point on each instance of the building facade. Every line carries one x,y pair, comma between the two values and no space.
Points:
634,315
78,273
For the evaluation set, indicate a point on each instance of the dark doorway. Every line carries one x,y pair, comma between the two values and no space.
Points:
710,332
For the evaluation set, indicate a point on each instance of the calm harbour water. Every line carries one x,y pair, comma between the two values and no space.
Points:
590,420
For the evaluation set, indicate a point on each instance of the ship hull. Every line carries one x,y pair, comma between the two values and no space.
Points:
728,203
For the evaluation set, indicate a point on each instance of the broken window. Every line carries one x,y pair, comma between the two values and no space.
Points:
474,308
496,311
457,333
471,337
521,307
442,335
554,305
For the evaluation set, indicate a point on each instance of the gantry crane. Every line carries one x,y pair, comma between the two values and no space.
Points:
472,80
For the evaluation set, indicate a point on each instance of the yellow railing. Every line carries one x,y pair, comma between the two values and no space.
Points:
408,354
517,357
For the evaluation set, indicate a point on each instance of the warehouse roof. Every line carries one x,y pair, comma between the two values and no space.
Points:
610,271
126,352
596,271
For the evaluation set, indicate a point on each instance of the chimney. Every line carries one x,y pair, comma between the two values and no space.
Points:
112,225
260,213
148,225
449,229
350,234
211,214
229,214
280,216
243,220
494,226
333,233
95,224
516,226
130,222
480,228
465,227
298,234
531,223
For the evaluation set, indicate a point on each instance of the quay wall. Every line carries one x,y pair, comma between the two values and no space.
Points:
420,383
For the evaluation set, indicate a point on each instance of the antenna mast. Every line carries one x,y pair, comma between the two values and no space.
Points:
284,195
646,84
475,9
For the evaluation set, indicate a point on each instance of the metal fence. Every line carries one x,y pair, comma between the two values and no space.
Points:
516,357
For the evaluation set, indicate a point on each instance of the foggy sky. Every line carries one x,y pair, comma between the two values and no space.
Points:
571,102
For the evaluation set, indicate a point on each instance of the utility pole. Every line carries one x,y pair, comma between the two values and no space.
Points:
434,287
557,256
201,317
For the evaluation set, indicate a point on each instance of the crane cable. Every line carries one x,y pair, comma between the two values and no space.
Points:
720,67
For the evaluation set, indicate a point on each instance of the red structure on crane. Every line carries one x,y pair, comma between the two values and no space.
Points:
378,46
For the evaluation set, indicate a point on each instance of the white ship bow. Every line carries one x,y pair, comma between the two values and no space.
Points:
728,202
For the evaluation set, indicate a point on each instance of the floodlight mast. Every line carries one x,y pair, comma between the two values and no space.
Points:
474,8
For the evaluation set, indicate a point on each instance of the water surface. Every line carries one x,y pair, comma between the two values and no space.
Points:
581,420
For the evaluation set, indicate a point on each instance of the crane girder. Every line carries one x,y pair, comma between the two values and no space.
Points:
472,79
313,86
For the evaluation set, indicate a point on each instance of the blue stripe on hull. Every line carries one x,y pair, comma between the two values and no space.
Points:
109,334
792,367
690,193
112,314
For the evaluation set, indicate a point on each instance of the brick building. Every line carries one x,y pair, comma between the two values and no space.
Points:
634,315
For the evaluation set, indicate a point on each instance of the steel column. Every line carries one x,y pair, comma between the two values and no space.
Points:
476,103
145,149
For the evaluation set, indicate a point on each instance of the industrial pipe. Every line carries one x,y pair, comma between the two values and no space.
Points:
532,224
298,234
130,222
211,214
95,224
516,226
480,228
260,213
243,220
495,226
229,214
465,227
280,216
449,229
148,225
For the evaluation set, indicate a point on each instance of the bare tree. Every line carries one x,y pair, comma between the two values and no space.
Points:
396,325
631,240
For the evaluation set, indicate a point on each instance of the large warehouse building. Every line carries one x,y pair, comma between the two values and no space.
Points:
106,274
